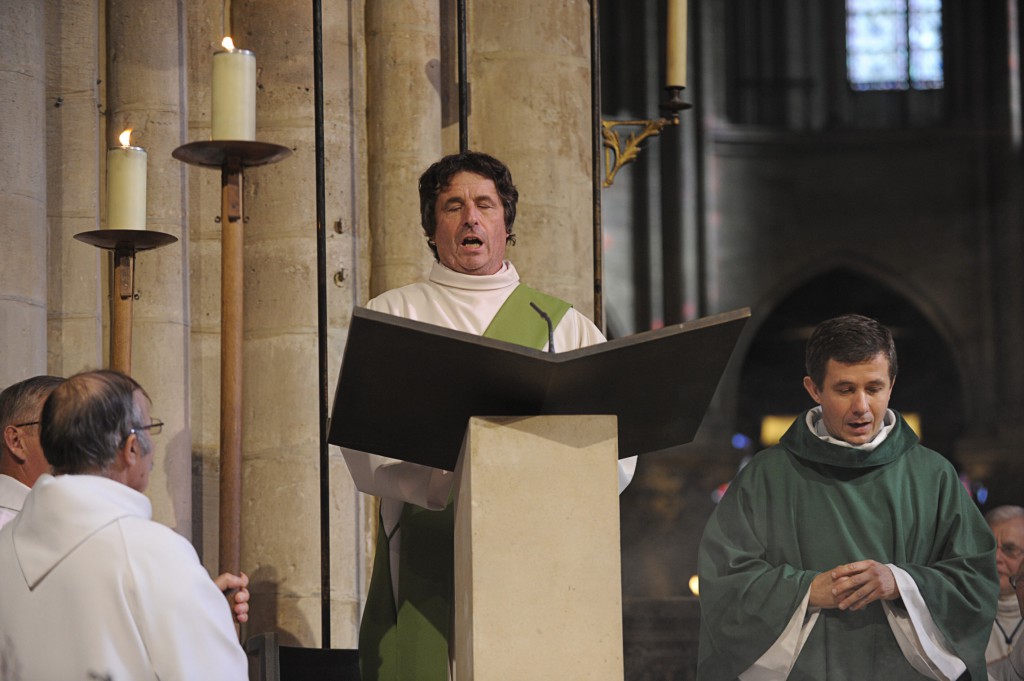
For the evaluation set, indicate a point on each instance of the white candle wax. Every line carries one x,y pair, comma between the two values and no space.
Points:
675,52
126,188
234,96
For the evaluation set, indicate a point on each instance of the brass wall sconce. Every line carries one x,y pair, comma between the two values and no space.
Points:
619,152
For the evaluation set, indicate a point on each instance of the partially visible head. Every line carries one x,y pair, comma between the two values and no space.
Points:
1007,523
21,456
439,177
851,369
96,423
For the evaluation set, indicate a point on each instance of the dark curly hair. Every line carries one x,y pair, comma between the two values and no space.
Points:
440,174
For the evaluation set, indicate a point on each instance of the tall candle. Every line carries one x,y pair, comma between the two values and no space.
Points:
675,52
126,185
234,94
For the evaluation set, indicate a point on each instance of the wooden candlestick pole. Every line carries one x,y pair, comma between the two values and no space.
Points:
231,329
231,157
125,244
122,306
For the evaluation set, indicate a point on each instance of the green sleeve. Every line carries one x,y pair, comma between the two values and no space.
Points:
746,601
960,585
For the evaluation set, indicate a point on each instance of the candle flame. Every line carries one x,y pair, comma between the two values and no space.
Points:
228,43
125,138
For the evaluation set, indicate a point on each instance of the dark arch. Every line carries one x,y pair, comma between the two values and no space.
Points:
928,382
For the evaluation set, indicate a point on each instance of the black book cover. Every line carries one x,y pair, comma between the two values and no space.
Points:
407,389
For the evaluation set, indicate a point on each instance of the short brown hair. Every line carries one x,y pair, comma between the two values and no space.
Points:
849,339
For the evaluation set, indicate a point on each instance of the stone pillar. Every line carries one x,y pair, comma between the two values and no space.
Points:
22,191
529,75
403,116
144,92
73,153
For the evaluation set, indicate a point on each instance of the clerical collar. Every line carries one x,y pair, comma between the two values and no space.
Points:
506,276
816,424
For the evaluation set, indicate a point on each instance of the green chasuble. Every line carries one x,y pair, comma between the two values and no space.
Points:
806,506
409,642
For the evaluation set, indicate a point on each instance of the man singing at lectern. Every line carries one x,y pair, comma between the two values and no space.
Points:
848,551
467,209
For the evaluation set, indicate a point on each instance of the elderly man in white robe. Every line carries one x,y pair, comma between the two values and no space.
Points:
468,207
92,587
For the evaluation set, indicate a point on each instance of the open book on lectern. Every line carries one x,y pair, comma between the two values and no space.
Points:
408,389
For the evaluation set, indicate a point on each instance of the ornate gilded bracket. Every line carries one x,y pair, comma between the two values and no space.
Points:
618,153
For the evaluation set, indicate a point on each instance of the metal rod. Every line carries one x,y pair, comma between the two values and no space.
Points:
463,77
231,368
596,147
321,325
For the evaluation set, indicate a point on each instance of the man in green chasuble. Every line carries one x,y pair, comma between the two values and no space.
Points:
468,207
847,551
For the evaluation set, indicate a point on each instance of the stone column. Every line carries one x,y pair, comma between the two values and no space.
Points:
144,92
403,116
529,75
73,153
23,191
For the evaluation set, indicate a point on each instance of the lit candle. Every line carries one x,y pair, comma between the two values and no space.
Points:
126,185
675,53
234,94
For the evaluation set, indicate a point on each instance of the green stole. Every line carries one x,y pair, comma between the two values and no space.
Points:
410,642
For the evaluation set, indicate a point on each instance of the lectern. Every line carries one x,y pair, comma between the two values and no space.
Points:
534,439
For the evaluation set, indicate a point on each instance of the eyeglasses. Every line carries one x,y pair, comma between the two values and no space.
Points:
154,428
26,424
1011,551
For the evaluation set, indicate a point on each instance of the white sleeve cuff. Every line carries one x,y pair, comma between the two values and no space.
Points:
922,643
778,661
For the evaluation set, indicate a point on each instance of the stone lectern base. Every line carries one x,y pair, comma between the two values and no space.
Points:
537,556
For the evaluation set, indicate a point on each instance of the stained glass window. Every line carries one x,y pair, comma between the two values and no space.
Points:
894,44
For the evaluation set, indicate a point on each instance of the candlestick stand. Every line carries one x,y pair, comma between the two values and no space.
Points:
125,243
232,157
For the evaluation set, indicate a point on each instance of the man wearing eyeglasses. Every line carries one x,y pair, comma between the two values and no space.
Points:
1007,523
21,456
92,587
1011,668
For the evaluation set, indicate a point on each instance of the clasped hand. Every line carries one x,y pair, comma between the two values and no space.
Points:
854,586
235,587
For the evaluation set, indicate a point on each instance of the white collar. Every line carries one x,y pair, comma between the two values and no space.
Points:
506,276
816,424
